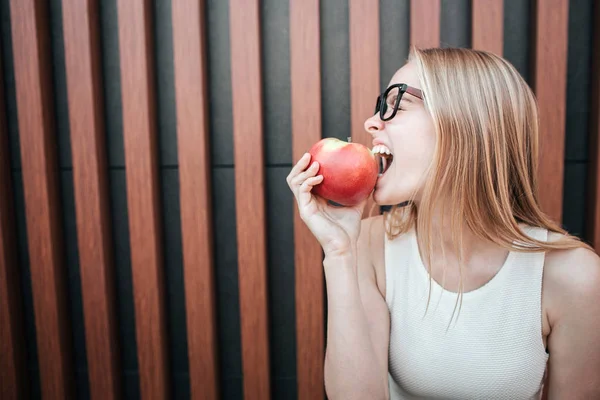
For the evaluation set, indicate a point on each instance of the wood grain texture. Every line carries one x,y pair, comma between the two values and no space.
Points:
425,23
31,52
90,181
488,25
305,72
141,166
191,97
246,84
364,71
593,224
13,378
549,83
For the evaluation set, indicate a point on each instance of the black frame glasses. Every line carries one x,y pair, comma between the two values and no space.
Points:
382,104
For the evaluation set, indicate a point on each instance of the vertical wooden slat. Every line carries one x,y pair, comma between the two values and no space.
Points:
305,70
364,70
31,47
593,225
189,50
364,66
141,165
12,350
84,86
244,19
488,25
425,23
549,83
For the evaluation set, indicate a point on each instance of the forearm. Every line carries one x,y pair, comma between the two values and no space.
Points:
351,368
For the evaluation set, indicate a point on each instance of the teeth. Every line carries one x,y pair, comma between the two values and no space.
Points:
381,149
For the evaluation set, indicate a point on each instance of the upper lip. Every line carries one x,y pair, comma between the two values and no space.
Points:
377,141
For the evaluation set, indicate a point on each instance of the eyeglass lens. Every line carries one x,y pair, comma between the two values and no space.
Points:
390,105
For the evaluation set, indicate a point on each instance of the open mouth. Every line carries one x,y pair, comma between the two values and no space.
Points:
384,157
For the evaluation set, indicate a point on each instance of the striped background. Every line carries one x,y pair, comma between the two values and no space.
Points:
136,151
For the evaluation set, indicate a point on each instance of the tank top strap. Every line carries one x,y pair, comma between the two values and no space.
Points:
530,264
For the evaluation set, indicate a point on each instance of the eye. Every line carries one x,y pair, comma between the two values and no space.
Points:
391,101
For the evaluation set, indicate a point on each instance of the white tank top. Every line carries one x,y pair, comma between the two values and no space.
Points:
494,350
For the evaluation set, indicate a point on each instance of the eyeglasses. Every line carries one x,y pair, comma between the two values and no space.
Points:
388,102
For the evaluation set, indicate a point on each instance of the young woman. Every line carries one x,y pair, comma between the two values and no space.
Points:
464,289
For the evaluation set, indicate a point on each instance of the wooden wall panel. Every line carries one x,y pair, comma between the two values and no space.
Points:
305,64
364,70
31,52
488,25
549,83
425,23
191,97
12,346
593,224
246,84
364,66
141,165
84,86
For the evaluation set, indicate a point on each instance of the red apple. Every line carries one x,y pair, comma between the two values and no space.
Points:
349,171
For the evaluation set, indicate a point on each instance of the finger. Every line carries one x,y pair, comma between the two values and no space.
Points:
309,173
304,194
299,167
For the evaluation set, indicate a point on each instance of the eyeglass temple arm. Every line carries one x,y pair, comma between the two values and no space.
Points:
415,92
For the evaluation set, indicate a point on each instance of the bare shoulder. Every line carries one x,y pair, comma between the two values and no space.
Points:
572,279
572,294
371,250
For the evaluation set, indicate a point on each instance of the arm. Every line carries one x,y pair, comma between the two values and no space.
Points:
358,322
356,362
573,283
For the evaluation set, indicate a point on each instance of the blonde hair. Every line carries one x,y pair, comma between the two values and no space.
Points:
485,159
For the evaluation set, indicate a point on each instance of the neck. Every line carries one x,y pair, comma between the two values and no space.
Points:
446,241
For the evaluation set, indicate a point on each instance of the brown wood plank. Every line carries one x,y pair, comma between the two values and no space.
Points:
549,83
13,376
305,71
244,22
364,66
31,50
488,25
191,97
84,86
425,23
364,71
141,165
594,168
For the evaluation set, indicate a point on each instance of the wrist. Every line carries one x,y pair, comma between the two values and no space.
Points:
339,259
340,250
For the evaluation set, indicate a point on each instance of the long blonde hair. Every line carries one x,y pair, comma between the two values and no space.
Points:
486,155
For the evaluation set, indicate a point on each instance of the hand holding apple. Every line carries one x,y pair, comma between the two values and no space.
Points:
336,228
349,171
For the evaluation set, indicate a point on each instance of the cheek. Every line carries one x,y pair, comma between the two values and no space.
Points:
414,154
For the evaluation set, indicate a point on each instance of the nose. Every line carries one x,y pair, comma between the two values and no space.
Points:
374,124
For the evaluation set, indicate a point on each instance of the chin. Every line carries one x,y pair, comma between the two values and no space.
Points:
385,197
382,198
